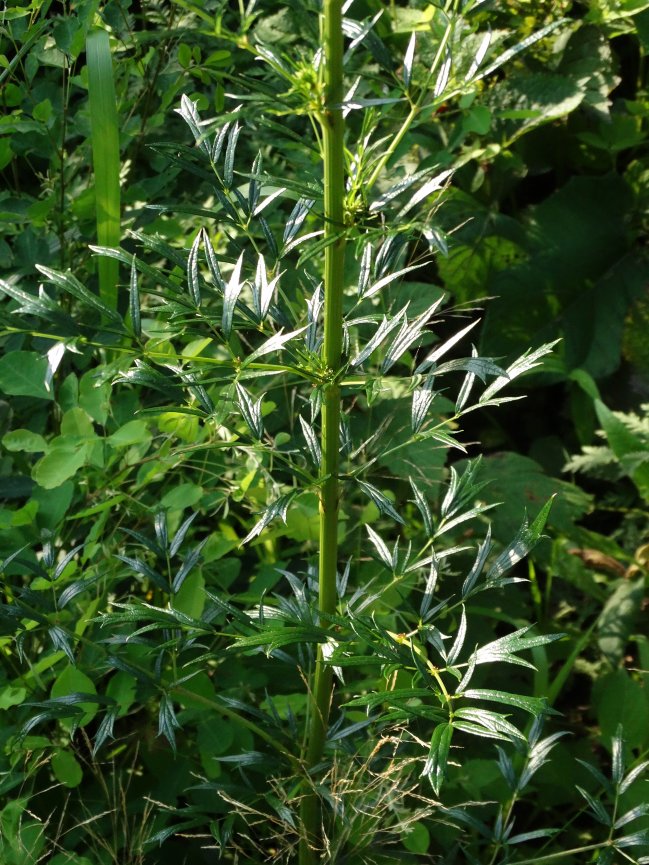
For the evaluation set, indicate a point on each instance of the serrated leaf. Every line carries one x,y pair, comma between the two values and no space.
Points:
459,640
193,282
504,648
296,219
526,539
167,721
365,269
65,561
492,722
639,811
384,328
190,115
424,509
71,284
596,807
637,839
437,760
633,776
212,262
476,569
179,537
160,526
145,571
219,141
312,442
187,566
408,334
380,547
445,347
76,588
134,301
105,729
479,56
250,411
228,162
520,46
382,502
268,200
253,184
274,343
533,705
275,509
408,60
432,185
386,280
230,297
523,364
422,398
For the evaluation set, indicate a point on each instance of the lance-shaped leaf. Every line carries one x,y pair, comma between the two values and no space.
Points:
437,760
633,776
443,75
145,570
275,509
314,306
478,565
467,385
422,398
408,60
429,591
533,705
275,343
228,162
424,509
71,284
520,46
479,56
456,648
263,289
628,817
296,218
268,200
312,442
230,297
432,185
187,566
596,808
527,537
382,502
134,301
193,283
179,537
190,115
251,411
504,649
386,280
212,261
385,327
445,347
219,141
523,364
481,722
365,269
167,721
408,334
397,188
380,547
253,184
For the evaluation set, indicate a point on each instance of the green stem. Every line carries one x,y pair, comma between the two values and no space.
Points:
331,121
562,854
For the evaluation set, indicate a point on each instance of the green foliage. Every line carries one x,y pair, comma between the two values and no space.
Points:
162,455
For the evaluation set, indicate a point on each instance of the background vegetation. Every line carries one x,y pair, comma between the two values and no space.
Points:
135,458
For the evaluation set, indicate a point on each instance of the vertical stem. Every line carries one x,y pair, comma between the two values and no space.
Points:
331,121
